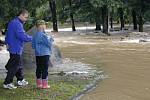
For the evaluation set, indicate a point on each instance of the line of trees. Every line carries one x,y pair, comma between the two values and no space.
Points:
101,12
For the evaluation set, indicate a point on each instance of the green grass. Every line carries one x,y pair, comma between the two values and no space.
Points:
62,88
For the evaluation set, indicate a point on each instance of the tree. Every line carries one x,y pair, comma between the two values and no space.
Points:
10,8
106,7
98,18
52,4
97,4
140,7
121,16
134,18
71,15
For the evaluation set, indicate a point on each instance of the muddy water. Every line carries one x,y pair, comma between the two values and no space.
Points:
126,64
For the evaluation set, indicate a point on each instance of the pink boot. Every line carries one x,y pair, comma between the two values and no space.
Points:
39,83
45,84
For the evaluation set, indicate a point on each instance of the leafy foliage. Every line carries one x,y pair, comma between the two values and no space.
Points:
83,10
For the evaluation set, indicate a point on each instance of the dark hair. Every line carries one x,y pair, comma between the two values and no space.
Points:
23,11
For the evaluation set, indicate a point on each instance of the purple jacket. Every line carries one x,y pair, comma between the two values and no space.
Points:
16,36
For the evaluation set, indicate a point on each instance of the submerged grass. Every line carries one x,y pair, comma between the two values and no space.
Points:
62,88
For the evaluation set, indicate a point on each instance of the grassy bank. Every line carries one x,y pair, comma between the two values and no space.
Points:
62,88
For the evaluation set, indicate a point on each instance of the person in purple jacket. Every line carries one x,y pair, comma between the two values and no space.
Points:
15,38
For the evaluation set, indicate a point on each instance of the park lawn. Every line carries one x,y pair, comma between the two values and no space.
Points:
62,88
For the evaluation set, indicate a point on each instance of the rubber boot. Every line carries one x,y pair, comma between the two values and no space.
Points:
39,83
45,84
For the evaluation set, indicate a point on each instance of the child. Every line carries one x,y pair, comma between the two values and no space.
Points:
42,43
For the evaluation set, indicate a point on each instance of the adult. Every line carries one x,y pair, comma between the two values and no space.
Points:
15,38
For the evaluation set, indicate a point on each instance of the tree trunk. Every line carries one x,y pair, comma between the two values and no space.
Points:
98,26
111,21
97,19
54,16
22,3
111,18
134,19
33,12
71,16
140,23
121,14
105,19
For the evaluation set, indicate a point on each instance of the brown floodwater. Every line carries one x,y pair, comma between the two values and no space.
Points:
126,65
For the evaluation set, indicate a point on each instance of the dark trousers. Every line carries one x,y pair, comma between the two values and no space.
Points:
14,68
42,63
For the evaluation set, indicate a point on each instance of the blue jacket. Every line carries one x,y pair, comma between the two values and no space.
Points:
16,36
42,43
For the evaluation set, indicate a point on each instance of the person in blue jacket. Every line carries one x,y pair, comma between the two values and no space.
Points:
42,45
15,38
